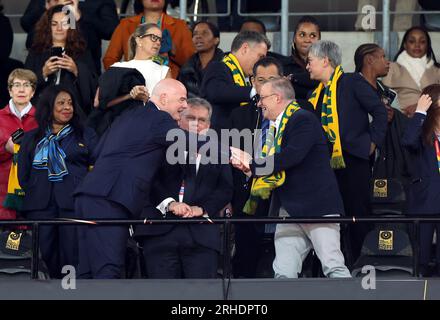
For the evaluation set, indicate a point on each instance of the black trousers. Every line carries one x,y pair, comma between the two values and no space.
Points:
58,244
426,234
176,255
248,249
101,248
354,185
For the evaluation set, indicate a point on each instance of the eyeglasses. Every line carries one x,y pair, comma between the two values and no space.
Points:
264,97
153,37
18,85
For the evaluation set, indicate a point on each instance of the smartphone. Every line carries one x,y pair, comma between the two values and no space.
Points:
17,136
56,52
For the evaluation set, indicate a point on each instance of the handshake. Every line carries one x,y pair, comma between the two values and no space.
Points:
241,160
183,210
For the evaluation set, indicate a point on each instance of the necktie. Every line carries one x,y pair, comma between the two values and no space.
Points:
265,123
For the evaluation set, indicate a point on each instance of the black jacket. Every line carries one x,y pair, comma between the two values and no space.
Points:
356,99
7,65
212,190
99,19
191,74
310,188
300,77
219,89
39,191
84,85
424,192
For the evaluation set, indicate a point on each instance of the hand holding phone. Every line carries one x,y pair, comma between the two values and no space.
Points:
17,136
56,52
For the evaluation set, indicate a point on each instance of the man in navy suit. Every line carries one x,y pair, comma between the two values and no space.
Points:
127,158
195,189
309,189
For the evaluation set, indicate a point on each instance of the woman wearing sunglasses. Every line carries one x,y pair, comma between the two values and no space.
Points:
144,46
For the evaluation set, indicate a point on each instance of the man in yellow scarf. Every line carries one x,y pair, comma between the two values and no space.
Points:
226,83
296,170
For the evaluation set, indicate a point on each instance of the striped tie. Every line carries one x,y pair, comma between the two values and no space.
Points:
265,123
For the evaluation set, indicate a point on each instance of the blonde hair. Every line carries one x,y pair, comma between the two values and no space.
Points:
22,74
139,32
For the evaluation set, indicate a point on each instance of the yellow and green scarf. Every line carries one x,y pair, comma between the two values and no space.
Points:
237,72
263,186
329,116
14,198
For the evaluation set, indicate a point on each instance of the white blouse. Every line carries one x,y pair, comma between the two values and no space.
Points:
151,71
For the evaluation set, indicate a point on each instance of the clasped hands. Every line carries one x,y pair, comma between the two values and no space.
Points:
140,93
183,210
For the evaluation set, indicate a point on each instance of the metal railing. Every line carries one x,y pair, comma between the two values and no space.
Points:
285,14
226,222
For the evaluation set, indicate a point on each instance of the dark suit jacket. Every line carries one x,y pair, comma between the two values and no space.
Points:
356,100
39,191
310,188
128,156
99,19
424,192
300,80
219,89
212,191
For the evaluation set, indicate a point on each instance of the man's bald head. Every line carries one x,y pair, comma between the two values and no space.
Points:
170,96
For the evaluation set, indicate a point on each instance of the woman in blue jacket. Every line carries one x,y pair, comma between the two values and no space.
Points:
422,138
52,161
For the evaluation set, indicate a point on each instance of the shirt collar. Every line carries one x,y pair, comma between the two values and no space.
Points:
277,121
15,111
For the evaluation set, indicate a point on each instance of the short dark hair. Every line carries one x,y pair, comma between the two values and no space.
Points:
256,21
266,62
250,37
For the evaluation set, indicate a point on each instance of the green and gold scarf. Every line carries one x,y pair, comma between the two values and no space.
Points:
263,186
15,195
329,116
237,72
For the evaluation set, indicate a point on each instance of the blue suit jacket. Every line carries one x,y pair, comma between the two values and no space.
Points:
310,188
128,156
424,191
38,189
